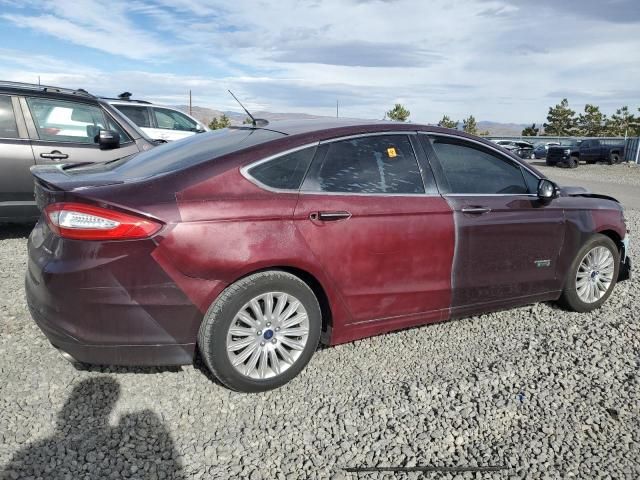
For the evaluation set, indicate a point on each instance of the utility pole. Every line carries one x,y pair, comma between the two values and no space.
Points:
337,115
190,102
38,79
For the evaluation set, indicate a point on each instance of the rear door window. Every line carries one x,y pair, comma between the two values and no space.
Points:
137,114
384,164
8,127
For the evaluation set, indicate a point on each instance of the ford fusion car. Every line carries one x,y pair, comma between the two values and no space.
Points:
252,245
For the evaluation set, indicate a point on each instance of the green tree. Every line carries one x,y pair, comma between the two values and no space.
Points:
561,120
470,125
247,121
531,131
591,123
398,113
219,122
446,122
623,123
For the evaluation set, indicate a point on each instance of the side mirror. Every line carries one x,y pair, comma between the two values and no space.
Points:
547,190
108,139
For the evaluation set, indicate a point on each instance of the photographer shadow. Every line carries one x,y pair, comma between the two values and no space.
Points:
85,445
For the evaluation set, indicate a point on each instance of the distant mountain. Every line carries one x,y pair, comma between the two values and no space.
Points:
205,115
506,129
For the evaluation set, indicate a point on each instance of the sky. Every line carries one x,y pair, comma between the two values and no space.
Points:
499,60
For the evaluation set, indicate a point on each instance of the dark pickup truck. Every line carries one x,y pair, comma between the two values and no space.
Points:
589,151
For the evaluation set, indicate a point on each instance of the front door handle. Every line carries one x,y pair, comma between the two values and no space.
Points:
329,216
476,210
55,155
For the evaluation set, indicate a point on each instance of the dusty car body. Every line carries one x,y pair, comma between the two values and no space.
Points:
351,228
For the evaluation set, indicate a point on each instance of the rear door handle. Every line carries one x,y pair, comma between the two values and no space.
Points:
476,210
55,155
329,216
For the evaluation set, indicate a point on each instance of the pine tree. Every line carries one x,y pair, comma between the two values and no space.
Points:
531,131
561,120
469,125
591,123
623,123
446,122
220,122
398,113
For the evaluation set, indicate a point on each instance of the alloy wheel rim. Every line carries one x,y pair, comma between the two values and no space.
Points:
595,274
267,335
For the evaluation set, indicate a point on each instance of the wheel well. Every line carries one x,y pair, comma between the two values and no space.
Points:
613,236
314,285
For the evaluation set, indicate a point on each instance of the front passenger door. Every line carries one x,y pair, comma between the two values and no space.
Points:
65,132
507,240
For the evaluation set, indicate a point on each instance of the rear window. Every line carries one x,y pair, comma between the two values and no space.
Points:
181,154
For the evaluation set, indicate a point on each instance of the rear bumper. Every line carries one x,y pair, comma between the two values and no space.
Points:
129,355
110,303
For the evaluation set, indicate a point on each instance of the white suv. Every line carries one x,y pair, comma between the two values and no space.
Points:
158,122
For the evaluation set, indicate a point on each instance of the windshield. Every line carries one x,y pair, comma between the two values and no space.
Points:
181,154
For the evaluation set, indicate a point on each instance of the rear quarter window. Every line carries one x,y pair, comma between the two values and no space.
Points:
285,172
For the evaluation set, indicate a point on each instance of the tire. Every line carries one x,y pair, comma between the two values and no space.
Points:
571,298
573,162
614,158
276,362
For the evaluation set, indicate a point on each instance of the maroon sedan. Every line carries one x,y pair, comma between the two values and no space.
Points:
254,244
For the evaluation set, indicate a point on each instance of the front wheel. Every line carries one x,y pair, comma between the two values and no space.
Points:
592,275
261,332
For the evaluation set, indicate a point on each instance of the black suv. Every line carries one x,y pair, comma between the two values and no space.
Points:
43,125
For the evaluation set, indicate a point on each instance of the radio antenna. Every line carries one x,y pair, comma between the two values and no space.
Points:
256,122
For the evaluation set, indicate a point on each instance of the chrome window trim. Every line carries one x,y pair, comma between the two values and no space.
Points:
244,171
490,147
369,134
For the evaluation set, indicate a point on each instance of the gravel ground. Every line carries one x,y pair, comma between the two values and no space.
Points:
621,174
544,392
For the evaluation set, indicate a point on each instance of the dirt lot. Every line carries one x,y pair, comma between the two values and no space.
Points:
538,391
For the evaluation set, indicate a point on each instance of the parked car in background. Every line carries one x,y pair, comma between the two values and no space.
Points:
589,151
44,125
158,122
520,148
251,244
540,149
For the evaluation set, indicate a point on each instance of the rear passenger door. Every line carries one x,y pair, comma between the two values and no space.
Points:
375,223
64,132
16,184
507,240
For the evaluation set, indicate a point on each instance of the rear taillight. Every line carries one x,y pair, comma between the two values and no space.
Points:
88,222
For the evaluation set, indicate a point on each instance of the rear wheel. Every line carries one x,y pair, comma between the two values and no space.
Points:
614,158
592,275
261,332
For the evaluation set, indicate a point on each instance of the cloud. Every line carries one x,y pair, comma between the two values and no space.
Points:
359,54
495,59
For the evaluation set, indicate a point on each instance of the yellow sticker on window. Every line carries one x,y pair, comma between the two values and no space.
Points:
392,152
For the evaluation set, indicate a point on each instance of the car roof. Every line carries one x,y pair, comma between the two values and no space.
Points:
20,88
324,128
